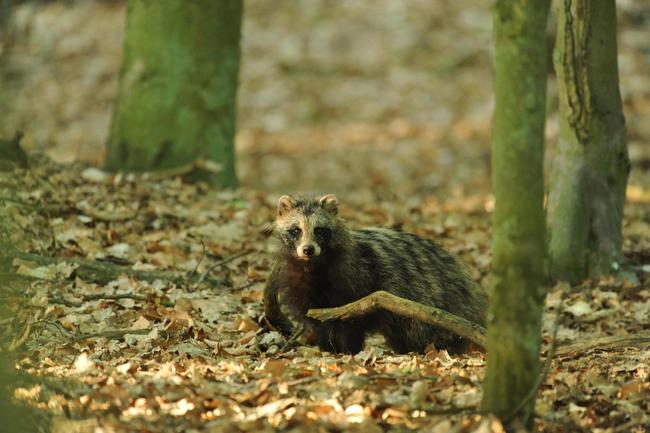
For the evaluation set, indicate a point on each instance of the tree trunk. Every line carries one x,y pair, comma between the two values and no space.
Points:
589,176
177,94
518,233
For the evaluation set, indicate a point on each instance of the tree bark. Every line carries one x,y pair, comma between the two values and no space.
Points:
177,94
518,228
590,170
14,417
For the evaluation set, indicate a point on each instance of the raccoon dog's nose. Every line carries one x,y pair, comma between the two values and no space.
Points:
308,250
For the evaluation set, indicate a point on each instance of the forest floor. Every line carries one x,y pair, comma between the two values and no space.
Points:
139,343
387,106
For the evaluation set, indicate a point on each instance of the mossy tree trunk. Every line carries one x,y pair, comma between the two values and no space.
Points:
13,418
178,85
518,227
589,175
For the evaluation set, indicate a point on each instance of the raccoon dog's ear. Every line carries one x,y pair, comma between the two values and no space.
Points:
329,203
285,204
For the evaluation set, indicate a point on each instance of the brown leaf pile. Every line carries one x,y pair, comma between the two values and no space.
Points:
135,355
387,104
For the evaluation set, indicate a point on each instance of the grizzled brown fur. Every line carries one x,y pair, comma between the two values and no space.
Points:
322,263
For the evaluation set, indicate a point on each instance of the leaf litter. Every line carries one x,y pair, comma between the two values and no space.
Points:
129,354
136,355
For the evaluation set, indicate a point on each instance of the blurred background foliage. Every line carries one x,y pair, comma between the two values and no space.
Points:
371,98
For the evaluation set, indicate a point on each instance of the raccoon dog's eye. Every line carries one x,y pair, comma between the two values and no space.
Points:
295,232
323,232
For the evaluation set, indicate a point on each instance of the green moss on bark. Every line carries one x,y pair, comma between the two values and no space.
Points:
590,170
518,237
177,94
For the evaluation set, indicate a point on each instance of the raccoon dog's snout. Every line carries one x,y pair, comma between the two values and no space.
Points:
308,250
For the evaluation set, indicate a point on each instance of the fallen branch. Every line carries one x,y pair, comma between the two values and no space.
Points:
605,343
100,296
403,307
107,216
64,209
111,334
382,300
195,167
41,208
105,272
116,296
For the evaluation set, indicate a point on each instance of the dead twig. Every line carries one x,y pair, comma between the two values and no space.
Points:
303,381
469,410
105,272
15,344
106,216
188,286
56,209
102,296
292,340
116,296
406,308
62,301
605,343
244,286
112,334
221,263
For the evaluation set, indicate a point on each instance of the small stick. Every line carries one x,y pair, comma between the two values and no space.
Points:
17,343
96,297
244,286
116,296
605,343
196,268
112,334
292,340
221,263
66,302
103,272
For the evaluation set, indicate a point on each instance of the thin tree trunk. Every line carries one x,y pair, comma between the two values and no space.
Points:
518,234
590,171
177,94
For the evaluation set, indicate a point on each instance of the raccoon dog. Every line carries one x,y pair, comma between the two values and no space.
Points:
321,263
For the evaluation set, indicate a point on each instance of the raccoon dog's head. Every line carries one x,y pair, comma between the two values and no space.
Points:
308,228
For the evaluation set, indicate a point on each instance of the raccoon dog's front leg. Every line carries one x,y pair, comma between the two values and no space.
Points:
272,310
340,337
